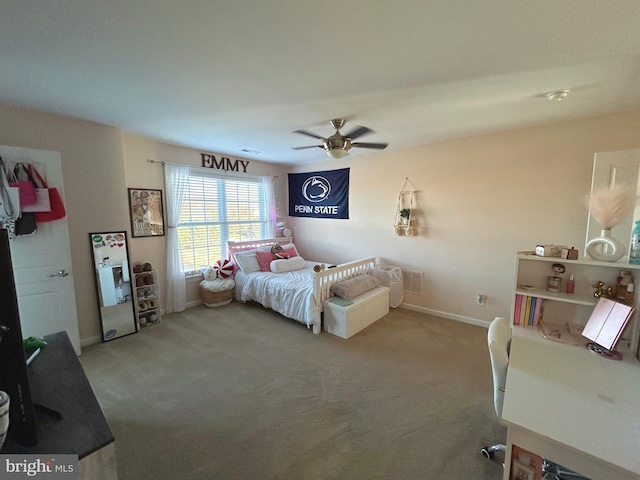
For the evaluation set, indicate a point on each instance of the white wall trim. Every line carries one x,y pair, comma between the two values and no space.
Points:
449,316
85,342
193,303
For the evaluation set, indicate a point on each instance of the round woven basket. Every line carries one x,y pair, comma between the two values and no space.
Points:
216,299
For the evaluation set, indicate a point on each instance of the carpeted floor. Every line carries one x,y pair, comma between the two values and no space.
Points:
239,392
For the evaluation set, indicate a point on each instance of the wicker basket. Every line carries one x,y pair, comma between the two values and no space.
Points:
216,297
217,292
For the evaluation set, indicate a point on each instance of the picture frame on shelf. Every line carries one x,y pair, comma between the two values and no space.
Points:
146,212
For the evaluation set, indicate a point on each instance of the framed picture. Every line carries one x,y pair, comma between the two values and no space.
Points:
145,208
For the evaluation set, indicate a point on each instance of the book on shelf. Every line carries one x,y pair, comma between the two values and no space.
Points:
527,310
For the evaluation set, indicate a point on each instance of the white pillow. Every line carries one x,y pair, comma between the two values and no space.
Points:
247,261
287,264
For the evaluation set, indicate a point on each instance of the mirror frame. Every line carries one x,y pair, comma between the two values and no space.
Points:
611,169
109,333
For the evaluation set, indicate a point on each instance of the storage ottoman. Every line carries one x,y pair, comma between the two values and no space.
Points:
347,320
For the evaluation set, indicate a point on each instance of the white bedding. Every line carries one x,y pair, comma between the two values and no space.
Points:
289,293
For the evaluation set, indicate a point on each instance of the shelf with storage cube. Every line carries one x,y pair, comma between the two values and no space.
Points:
146,294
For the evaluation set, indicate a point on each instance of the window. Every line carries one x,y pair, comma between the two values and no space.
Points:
218,208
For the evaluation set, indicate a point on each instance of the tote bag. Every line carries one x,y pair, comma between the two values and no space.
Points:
57,206
9,204
26,224
43,201
27,190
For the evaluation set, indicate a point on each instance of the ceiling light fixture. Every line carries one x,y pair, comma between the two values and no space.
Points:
558,95
336,153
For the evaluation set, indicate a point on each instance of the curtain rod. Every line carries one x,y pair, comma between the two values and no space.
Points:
162,162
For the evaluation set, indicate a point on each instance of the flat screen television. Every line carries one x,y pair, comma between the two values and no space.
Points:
14,376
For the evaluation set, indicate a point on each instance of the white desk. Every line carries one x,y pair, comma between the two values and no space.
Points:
573,407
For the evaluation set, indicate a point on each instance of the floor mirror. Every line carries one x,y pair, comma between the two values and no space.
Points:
113,284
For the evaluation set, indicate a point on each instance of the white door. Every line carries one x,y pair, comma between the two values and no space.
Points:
42,261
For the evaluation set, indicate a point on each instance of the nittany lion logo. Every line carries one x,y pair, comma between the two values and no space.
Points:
316,189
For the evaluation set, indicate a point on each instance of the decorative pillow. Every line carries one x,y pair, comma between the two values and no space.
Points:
287,265
223,268
247,261
265,259
289,247
355,286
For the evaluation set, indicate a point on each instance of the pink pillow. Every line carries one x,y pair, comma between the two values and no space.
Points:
265,259
291,251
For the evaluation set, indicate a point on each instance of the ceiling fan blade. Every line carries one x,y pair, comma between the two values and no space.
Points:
310,146
358,132
378,146
309,134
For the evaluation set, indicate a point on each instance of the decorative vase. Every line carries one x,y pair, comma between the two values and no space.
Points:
605,248
4,416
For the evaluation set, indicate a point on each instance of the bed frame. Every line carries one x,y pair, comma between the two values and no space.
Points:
322,280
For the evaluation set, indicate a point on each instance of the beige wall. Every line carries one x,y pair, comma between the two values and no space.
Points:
479,200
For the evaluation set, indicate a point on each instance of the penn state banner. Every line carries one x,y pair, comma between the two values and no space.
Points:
319,194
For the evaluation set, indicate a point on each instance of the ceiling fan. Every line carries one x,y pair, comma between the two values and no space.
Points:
338,145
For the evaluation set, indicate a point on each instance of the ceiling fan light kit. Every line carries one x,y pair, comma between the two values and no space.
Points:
336,153
337,145
557,96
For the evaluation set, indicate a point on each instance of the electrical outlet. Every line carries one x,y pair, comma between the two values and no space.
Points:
481,299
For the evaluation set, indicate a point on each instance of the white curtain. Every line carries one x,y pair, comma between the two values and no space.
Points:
270,202
176,178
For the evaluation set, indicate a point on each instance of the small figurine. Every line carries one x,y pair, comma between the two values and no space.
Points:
601,292
598,286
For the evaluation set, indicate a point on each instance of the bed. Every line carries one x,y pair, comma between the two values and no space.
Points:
297,294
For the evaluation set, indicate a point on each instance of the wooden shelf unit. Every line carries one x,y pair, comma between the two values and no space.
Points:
531,271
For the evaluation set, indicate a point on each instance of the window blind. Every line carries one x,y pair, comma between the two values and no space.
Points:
218,208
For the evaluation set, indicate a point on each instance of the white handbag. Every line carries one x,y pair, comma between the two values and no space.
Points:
9,203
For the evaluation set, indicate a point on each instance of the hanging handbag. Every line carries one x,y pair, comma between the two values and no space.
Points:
27,190
26,224
43,200
57,205
9,203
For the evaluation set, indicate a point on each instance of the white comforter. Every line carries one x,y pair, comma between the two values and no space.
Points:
289,293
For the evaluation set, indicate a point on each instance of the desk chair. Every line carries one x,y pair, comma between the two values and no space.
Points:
499,341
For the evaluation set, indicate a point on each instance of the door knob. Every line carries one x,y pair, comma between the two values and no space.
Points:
61,273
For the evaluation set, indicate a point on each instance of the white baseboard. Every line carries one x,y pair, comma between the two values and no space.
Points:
85,342
449,316
193,303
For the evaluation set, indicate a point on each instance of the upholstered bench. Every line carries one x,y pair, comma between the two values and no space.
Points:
345,319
